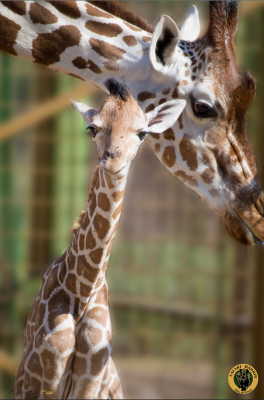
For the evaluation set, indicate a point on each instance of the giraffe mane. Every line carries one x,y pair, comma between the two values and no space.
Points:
79,221
120,11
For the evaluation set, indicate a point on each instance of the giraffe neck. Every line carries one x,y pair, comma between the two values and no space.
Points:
75,38
82,272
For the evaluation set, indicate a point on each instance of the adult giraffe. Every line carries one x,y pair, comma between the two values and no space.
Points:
208,147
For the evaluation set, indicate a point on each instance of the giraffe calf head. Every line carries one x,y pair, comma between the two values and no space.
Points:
120,126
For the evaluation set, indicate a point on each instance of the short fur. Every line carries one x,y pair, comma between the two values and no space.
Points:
79,221
118,10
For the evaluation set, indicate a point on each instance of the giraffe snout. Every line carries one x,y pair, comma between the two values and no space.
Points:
112,154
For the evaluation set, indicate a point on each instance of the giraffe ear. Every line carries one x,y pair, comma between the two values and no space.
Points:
165,39
164,116
86,111
190,29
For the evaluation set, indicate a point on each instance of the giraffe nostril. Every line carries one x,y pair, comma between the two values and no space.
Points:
107,153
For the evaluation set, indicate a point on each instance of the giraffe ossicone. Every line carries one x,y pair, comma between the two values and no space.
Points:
68,337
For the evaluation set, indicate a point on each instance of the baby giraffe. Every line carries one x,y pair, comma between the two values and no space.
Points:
68,341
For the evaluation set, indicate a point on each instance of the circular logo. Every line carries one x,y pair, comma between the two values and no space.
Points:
243,378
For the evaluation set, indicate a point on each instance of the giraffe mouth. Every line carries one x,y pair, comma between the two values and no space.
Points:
108,170
244,229
256,240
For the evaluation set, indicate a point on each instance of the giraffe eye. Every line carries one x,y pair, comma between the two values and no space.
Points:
93,131
202,109
142,135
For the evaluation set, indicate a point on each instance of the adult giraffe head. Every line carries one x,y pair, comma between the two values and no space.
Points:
208,148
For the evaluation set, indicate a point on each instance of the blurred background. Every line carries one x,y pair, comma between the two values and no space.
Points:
186,301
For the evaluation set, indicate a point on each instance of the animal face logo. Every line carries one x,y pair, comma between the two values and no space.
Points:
243,378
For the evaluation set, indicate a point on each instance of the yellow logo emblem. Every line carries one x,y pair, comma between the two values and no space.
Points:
243,378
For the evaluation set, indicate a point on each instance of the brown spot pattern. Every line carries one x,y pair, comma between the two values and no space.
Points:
68,8
186,178
134,28
166,91
169,134
8,34
40,337
92,204
169,156
162,101
146,38
51,371
154,135
18,7
189,152
90,240
82,344
180,121
79,365
109,181
103,202
56,317
157,148
213,192
111,244
96,12
108,51
102,296
34,365
108,30
86,270
208,176
51,284
40,15
98,361
60,301
101,225
40,314
85,290
95,336
117,211
71,261
175,93
48,47
81,63
142,96
81,241
70,283
149,108
96,255
62,340
99,314
117,196
130,40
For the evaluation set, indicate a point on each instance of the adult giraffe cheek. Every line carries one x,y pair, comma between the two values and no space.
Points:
237,229
252,215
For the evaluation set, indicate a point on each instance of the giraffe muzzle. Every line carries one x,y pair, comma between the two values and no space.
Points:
111,154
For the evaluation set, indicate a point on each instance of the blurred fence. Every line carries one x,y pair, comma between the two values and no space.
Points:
182,293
